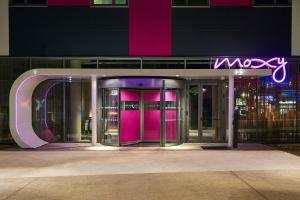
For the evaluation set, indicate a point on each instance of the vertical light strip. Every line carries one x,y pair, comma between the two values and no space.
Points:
94,93
4,28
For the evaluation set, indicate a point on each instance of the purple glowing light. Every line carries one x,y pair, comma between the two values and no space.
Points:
276,64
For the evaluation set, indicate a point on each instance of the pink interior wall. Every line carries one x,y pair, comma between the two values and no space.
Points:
69,2
152,125
171,125
150,96
171,118
150,27
130,119
170,96
152,117
130,95
130,126
231,2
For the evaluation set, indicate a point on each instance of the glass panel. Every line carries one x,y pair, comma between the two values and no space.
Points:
208,122
264,2
190,2
246,106
193,111
4,111
28,2
61,110
207,106
124,2
171,115
151,116
284,2
179,2
130,121
103,1
277,108
198,2
210,113
110,118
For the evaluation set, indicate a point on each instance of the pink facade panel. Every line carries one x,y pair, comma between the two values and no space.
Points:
150,27
69,2
231,2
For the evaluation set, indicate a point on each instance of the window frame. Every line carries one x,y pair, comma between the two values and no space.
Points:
26,4
113,5
187,5
275,4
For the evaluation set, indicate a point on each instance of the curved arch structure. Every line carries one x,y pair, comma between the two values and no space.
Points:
20,98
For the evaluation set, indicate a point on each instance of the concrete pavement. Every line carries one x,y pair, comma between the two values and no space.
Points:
149,174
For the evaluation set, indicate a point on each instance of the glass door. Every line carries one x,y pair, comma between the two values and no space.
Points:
172,114
110,117
207,111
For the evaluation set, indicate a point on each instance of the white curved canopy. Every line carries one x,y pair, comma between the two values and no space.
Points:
20,98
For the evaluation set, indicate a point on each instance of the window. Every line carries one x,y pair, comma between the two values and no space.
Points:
28,2
110,2
190,2
272,2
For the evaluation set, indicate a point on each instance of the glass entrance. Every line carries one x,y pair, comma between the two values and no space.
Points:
132,116
207,111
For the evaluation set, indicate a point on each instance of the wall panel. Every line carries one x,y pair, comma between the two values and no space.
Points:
4,28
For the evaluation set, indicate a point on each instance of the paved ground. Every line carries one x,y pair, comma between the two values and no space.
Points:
144,173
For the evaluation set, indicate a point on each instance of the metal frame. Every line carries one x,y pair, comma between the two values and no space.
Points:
200,84
163,140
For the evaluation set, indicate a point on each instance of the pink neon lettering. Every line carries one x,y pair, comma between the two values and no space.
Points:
276,64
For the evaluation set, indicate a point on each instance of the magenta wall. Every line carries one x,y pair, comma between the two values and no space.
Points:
150,27
69,2
231,2
130,119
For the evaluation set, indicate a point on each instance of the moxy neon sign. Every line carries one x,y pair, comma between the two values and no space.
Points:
278,65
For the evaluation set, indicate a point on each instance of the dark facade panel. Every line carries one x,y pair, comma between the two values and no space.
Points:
232,31
68,31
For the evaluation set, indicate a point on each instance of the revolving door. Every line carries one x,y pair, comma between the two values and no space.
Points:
140,110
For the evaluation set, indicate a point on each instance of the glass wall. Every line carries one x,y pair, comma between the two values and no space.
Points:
208,101
61,110
267,110
110,117
130,116
110,2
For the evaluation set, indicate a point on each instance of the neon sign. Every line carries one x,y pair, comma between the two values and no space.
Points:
276,64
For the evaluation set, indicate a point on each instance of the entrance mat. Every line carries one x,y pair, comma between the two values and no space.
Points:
215,148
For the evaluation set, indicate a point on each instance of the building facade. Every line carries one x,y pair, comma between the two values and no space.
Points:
121,72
